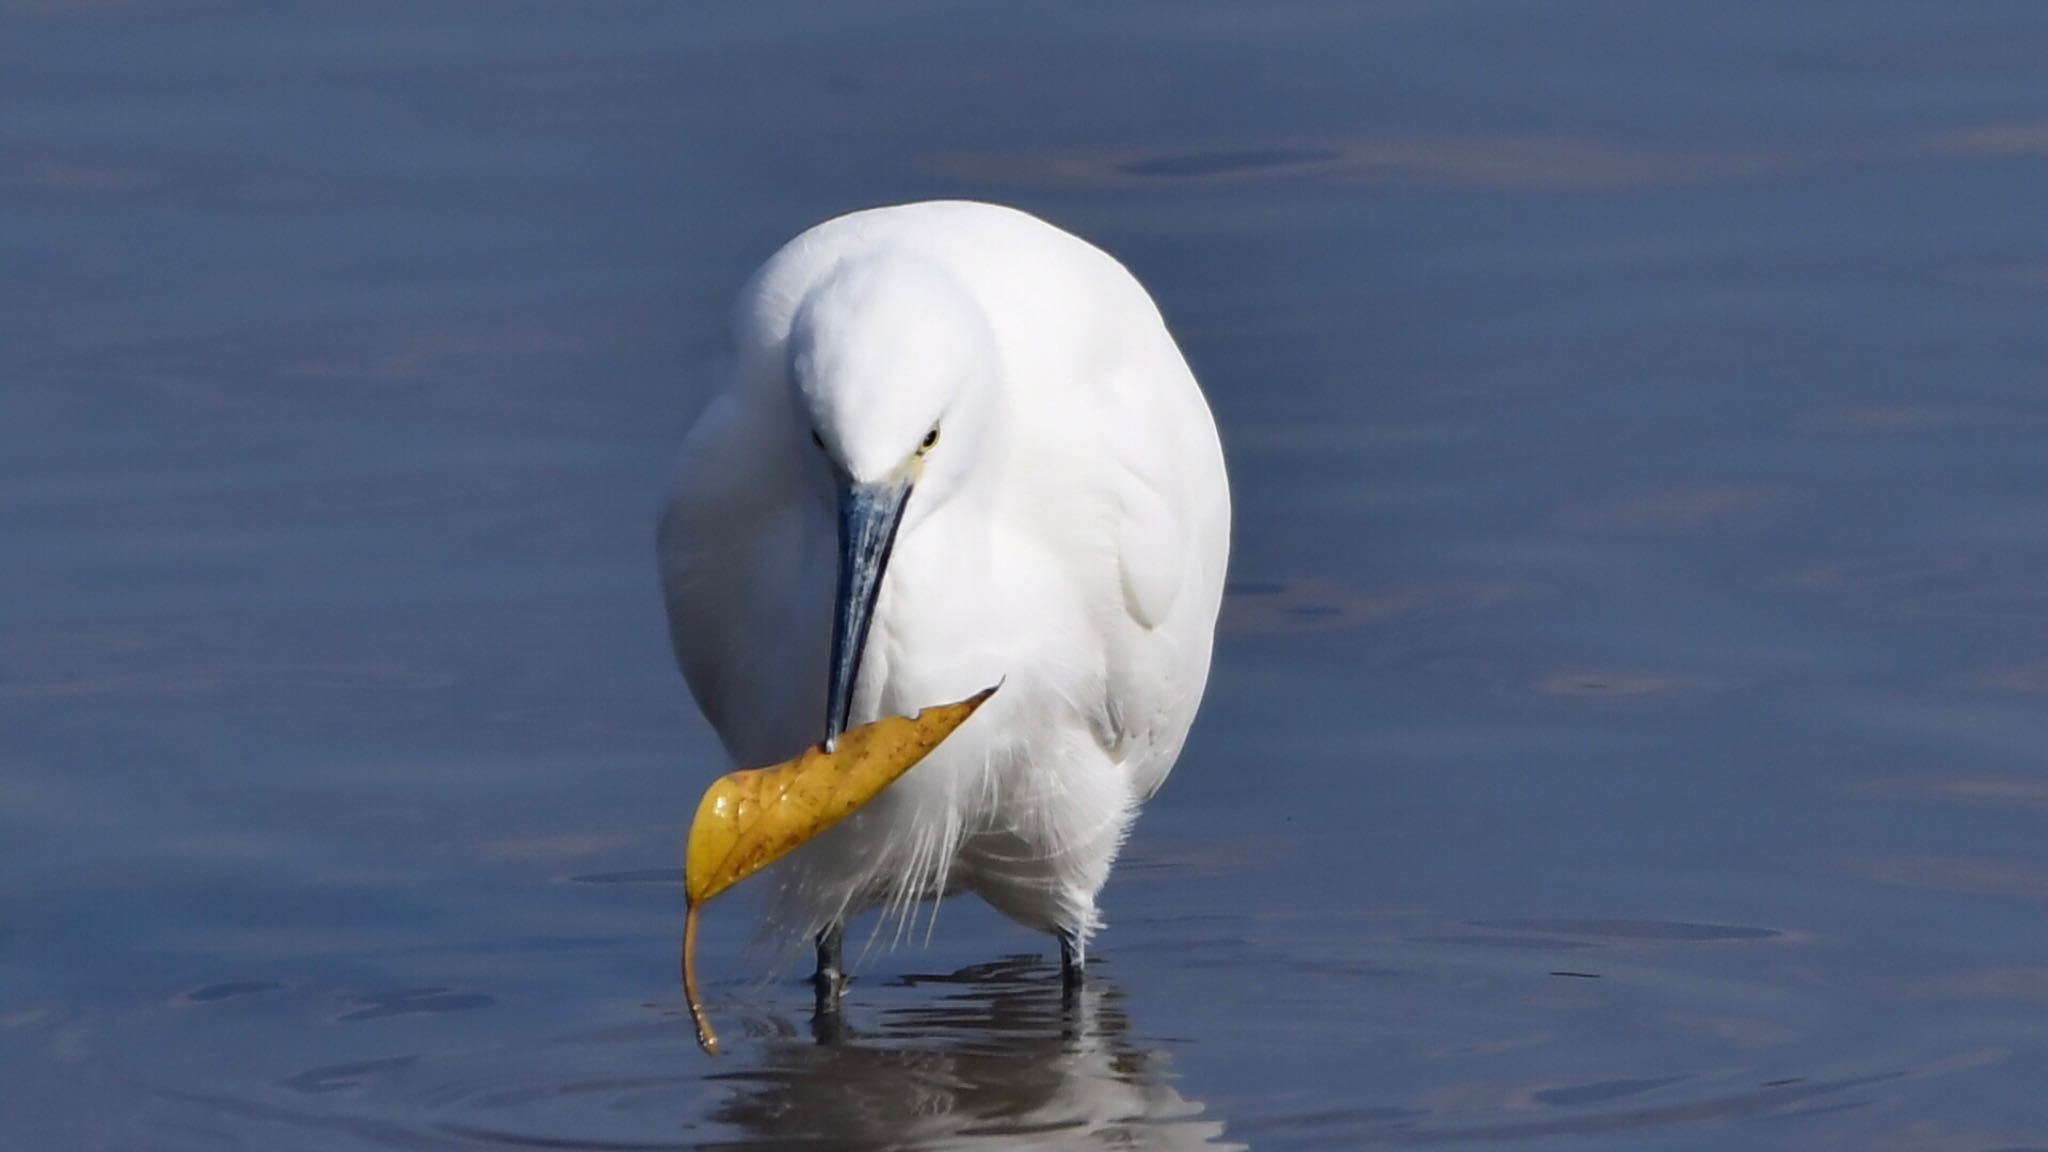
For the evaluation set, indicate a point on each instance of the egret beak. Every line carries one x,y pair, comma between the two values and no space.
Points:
869,515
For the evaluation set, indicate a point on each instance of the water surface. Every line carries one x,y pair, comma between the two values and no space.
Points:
1628,724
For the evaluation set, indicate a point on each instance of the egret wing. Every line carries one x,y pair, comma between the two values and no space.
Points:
1151,534
745,604
1173,520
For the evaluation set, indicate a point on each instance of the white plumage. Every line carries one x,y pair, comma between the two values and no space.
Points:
1064,526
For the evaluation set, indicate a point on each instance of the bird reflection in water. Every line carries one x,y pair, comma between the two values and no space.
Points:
990,1056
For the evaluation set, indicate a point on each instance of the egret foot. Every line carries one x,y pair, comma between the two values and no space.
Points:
828,1024
1073,954
830,980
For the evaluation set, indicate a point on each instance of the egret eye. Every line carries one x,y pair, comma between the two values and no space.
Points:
931,440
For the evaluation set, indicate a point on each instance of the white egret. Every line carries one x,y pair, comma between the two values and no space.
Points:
953,446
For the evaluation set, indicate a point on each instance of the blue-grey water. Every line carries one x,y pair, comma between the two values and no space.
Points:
1630,724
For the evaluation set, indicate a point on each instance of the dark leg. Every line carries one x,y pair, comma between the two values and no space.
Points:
830,979
1073,954
828,1024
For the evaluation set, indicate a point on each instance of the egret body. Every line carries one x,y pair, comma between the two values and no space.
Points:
953,446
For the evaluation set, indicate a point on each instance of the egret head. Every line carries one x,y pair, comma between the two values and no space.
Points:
892,362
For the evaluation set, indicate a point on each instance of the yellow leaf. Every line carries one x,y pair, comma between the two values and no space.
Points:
750,819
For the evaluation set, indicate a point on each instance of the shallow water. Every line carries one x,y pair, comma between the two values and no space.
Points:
1628,726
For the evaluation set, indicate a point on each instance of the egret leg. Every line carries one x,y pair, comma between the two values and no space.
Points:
830,979
828,1025
1073,954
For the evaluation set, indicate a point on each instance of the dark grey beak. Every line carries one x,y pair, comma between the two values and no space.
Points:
869,515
